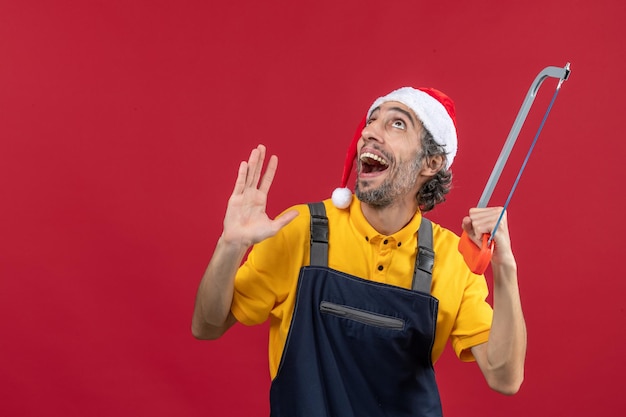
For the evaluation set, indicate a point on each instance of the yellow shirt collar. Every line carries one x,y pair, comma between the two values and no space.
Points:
364,228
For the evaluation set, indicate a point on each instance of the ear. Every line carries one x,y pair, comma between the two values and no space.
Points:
433,164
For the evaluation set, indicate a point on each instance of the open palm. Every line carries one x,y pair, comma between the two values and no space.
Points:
246,221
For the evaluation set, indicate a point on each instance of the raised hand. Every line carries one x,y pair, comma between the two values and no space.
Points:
246,221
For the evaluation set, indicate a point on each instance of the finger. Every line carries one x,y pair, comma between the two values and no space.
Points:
482,214
258,166
485,219
270,172
253,166
240,182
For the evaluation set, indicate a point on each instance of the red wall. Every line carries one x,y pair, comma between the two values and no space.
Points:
121,127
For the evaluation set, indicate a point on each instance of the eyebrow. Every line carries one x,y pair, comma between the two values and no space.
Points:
398,109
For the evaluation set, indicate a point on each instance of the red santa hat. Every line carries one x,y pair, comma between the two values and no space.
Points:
434,109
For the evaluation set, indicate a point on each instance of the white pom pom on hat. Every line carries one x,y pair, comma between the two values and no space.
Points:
434,109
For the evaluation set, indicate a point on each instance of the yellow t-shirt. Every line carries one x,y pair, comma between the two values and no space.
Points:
265,286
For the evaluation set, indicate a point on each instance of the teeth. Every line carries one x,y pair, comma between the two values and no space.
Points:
376,158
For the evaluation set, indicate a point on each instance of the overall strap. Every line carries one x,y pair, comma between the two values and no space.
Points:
319,234
422,274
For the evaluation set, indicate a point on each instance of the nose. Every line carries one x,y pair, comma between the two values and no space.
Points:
372,131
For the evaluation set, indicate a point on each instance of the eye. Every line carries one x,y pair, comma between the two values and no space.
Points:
369,121
399,124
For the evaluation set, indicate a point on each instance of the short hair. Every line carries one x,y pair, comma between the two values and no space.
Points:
434,190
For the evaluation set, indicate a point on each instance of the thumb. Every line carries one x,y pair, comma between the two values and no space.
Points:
467,225
286,218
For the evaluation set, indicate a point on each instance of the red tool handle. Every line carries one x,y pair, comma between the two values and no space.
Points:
477,259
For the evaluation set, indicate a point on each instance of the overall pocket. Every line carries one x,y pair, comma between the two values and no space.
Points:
361,316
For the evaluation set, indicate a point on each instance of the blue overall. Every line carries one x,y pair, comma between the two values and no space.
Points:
358,348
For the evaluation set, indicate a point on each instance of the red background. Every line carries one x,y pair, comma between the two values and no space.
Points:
121,127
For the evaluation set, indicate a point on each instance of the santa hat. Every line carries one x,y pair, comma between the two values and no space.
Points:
434,109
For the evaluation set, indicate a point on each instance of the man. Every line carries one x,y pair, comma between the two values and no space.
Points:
356,325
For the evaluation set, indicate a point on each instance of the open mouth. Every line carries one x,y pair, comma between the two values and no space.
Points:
372,163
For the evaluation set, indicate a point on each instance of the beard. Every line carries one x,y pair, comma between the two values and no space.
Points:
393,186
